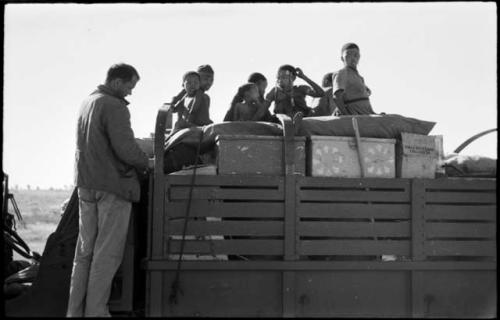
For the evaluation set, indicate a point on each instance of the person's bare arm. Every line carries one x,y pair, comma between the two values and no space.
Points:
317,92
339,101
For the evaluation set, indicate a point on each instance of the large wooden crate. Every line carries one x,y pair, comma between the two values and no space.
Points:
315,246
261,155
418,155
338,157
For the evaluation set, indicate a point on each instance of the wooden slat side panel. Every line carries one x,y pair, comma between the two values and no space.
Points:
353,195
354,247
247,228
460,248
353,210
460,230
461,197
355,229
205,208
209,247
217,193
460,184
315,182
461,212
227,180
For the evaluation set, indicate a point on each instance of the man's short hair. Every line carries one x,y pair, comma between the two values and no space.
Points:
122,71
287,67
349,45
190,73
256,77
206,68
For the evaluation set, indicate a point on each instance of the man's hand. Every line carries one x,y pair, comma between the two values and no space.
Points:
299,73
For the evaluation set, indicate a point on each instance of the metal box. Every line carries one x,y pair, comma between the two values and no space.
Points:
252,154
330,156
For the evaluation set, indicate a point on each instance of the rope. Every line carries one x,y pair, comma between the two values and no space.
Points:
175,288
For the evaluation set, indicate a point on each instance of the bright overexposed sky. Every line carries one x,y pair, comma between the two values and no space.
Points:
431,61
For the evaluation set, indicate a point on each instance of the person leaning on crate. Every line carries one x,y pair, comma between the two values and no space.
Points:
351,95
107,168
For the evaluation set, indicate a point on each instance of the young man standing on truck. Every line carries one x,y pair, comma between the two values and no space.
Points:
108,162
351,95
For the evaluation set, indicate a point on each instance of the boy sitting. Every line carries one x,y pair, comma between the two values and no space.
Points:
289,99
326,105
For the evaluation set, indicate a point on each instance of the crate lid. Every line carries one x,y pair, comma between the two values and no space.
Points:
252,137
342,138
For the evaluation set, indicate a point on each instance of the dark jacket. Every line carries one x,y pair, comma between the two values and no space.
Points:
107,155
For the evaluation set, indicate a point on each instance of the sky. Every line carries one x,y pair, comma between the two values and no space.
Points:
430,61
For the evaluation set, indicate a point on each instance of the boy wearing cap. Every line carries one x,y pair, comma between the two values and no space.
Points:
348,86
288,98
193,107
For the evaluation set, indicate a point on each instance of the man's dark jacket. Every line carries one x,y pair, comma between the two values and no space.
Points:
107,155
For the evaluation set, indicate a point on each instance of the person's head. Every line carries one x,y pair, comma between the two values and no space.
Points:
191,82
327,80
286,76
259,80
248,92
206,76
122,78
350,54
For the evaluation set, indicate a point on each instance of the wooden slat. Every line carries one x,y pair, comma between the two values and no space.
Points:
354,247
250,228
460,248
204,208
216,193
461,212
460,230
353,195
327,182
354,229
227,180
460,184
460,197
353,210
265,247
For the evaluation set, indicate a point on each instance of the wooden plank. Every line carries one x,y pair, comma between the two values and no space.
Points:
460,230
155,294
417,294
217,193
354,247
460,184
418,219
257,247
355,229
461,197
306,265
343,183
228,180
460,248
354,210
288,294
461,212
204,208
353,195
249,228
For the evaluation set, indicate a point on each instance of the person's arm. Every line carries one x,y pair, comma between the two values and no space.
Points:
199,115
339,101
116,121
178,97
316,91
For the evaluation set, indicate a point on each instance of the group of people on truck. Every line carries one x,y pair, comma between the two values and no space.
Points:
344,93
109,162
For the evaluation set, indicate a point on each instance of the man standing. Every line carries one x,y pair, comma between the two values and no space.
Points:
107,164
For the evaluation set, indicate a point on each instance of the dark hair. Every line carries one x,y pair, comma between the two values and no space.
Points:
349,45
256,77
190,73
289,68
206,68
121,71
327,78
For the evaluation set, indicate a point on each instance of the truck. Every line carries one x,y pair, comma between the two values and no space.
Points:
293,245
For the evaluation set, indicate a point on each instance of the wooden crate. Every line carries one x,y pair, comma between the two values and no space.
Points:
251,154
418,155
337,157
